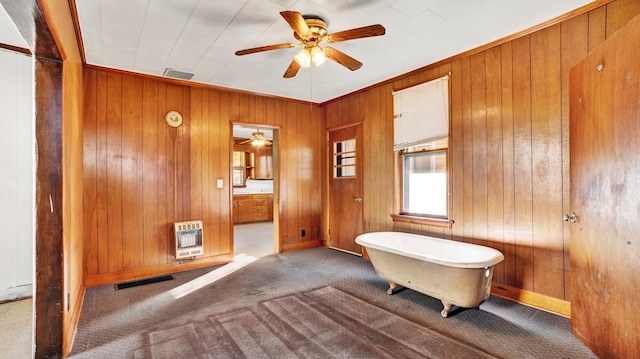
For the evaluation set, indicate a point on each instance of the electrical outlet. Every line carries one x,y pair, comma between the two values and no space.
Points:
304,233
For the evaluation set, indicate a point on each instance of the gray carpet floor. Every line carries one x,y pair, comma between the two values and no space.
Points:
317,303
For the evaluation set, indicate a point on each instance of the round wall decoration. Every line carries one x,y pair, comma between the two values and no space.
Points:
173,118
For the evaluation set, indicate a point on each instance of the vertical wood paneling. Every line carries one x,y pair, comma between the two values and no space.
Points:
373,130
386,118
546,161
196,165
89,150
216,170
479,200
114,172
102,190
164,160
508,166
143,175
467,151
522,162
150,124
619,13
574,40
597,26
132,195
495,162
208,183
456,152
509,169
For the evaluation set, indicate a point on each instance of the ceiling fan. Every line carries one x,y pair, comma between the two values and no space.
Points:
311,31
257,139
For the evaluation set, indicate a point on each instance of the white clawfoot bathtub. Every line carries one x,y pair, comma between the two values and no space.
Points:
457,273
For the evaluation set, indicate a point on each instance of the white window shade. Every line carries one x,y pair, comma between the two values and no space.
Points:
421,113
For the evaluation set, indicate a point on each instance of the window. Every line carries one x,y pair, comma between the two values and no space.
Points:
424,177
238,168
344,159
421,130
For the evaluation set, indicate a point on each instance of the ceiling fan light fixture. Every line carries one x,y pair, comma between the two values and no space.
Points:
318,56
303,58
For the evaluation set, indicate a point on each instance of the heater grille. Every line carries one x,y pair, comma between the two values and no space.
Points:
168,72
188,239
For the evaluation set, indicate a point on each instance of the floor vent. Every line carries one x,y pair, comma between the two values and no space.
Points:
168,72
143,282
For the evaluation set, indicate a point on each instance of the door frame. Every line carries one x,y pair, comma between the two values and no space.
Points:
329,171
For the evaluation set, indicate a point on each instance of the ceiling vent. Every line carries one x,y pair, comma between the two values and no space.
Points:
177,74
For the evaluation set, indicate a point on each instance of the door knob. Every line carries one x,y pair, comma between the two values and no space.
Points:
358,199
570,217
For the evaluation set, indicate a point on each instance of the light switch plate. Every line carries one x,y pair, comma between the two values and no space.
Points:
219,183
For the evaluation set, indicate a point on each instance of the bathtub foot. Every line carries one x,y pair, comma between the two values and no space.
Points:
392,286
447,308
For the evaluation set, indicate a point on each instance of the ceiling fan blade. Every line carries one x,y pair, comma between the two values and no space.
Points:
367,31
297,23
342,58
266,48
292,70
247,141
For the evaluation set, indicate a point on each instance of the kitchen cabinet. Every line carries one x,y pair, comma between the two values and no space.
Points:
249,208
263,163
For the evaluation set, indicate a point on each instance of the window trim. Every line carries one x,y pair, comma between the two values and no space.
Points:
415,218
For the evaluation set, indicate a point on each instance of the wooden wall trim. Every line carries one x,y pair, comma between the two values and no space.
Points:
556,20
76,27
535,300
298,246
49,237
21,50
152,271
72,327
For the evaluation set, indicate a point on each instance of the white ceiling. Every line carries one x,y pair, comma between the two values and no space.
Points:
201,36
9,34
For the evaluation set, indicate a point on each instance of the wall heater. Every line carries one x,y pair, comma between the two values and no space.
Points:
188,236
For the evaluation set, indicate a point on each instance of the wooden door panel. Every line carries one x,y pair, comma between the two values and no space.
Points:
345,192
605,188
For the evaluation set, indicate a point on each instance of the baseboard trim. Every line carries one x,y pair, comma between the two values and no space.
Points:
152,271
71,330
16,293
535,300
298,246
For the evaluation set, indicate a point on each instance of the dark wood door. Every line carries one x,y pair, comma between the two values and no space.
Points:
345,188
605,196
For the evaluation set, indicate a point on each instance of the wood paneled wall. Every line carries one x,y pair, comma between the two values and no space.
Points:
140,175
509,143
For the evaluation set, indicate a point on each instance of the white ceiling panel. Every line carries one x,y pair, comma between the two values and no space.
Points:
202,36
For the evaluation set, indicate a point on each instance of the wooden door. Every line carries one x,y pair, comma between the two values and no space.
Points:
605,196
345,188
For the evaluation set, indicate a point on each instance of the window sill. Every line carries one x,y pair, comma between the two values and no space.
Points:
435,222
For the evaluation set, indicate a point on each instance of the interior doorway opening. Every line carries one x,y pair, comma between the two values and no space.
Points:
255,190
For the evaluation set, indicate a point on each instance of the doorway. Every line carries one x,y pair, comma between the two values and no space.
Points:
255,190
